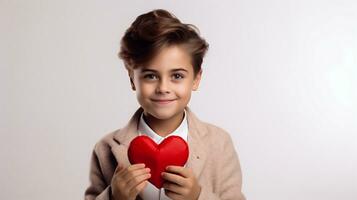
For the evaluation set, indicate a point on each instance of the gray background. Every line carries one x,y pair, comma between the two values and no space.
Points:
280,77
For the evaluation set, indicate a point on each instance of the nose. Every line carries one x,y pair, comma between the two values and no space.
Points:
163,86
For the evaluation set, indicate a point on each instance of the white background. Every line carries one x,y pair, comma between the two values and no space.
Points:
280,77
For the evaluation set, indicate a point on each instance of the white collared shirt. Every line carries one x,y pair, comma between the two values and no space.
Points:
150,192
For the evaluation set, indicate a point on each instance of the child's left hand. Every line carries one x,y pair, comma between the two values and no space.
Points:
181,183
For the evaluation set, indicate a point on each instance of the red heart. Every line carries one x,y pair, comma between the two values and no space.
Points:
173,150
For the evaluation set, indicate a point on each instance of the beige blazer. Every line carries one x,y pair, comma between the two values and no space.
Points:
212,158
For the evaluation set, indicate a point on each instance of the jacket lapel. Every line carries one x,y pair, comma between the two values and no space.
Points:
197,151
123,137
196,130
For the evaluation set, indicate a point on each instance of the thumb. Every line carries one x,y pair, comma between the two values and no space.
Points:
119,168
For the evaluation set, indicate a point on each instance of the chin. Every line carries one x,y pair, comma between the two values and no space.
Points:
162,115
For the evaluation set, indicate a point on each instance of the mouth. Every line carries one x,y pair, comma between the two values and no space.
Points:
163,101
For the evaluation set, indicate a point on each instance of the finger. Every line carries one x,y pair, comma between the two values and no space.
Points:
136,166
132,183
133,167
138,188
173,187
179,170
172,195
179,180
133,174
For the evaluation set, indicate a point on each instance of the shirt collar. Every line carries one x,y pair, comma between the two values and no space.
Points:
181,130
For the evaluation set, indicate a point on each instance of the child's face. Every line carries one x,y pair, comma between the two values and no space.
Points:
169,76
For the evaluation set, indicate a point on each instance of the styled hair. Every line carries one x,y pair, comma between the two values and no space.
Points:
155,30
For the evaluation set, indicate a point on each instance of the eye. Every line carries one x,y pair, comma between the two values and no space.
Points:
178,76
150,76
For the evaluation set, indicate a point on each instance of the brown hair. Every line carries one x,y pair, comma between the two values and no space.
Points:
152,31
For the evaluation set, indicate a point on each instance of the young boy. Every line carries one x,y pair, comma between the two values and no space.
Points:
163,58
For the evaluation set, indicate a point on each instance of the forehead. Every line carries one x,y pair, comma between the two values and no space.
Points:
172,58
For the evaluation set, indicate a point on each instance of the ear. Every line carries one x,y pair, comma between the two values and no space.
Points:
196,81
131,75
132,84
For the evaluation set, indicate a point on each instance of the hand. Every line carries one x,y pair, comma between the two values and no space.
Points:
128,182
181,183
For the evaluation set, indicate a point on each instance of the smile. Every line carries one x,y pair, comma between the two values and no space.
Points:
163,102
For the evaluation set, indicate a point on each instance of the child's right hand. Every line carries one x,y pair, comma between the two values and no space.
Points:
128,182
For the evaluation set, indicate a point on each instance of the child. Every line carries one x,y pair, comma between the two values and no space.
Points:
163,58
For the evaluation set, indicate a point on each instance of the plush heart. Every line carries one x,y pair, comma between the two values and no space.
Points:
173,150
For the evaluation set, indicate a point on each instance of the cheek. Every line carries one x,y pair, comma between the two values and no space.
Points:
146,89
184,89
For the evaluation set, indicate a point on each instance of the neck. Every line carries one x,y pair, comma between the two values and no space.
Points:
163,127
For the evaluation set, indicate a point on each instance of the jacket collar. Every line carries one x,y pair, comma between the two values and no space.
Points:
196,131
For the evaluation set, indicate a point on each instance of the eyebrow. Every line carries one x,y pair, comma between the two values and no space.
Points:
173,70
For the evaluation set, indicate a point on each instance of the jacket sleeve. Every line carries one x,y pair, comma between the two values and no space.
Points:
229,175
97,189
